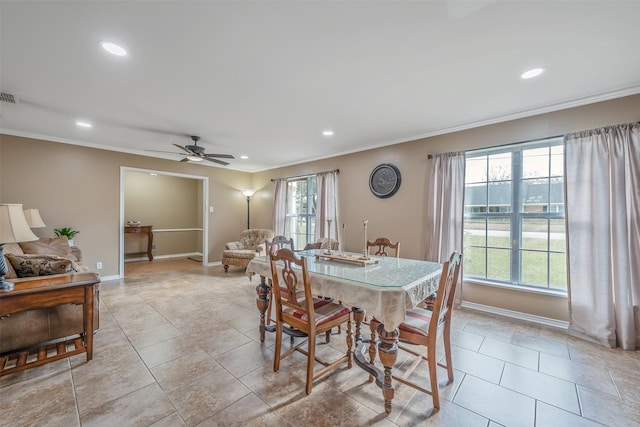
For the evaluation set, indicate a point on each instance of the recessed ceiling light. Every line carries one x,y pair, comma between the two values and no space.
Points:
113,48
534,72
328,133
244,157
83,124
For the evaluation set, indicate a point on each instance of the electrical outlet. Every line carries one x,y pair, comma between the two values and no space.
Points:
153,247
99,265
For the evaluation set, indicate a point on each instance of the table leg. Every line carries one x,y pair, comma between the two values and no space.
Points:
263,303
388,352
150,246
87,311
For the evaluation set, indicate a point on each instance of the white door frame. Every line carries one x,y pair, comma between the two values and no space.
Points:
205,216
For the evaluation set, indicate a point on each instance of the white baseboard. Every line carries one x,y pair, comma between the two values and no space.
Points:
144,258
561,324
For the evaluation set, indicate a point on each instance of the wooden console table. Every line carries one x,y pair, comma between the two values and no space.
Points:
143,229
48,291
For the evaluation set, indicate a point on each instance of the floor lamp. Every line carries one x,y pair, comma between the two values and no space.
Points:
248,193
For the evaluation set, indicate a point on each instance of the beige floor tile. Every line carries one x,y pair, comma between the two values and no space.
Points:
466,340
142,407
511,353
496,403
479,365
184,370
46,400
552,390
248,411
597,378
173,420
196,329
244,359
104,379
168,350
627,382
553,344
420,412
550,416
206,397
325,406
618,412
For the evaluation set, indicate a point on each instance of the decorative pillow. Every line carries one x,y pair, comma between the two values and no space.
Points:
49,246
32,265
11,248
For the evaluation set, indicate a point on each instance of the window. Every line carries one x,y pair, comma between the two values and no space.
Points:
300,223
514,229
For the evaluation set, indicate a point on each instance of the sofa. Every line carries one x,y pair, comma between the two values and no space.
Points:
43,257
250,245
323,243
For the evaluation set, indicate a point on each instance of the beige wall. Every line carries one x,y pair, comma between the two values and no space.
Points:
401,216
79,187
165,202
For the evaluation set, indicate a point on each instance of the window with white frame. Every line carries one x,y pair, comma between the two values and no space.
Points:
514,227
301,210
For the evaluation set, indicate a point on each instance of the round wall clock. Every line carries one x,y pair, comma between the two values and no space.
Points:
384,180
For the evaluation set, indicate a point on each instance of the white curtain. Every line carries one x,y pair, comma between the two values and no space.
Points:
280,206
445,208
327,206
602,179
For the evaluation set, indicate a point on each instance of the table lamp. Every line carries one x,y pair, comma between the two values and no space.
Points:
13,228
33,218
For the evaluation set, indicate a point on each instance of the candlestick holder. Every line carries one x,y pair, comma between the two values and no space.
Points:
365,252
329,251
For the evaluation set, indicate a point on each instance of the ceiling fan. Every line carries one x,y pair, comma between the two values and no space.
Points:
195,153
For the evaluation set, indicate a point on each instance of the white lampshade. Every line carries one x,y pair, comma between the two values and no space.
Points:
33,218
13,224
248,192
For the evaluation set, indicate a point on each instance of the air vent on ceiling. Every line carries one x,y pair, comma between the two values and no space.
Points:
7,97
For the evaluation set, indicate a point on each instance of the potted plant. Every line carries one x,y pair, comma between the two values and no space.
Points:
68,232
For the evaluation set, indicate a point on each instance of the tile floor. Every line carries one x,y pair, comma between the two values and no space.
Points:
181,347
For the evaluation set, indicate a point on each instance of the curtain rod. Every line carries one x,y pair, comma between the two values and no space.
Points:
302,176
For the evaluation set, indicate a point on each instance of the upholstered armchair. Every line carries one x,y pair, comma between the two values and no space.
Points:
250,245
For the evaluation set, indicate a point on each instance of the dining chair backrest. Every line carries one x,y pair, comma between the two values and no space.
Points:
277,243
382,244
298,296
446,293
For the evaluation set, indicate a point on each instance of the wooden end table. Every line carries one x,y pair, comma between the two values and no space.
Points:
49,291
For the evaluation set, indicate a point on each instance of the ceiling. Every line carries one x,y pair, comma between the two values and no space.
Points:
265,78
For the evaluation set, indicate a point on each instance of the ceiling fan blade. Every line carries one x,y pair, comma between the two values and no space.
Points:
182,148
184,160
216,161
222,156
167,152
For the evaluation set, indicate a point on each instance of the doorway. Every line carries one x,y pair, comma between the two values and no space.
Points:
174,204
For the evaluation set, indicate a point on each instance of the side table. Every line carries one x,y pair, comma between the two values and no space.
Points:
48,291
148,229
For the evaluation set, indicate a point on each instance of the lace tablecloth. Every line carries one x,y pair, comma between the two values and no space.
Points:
386,289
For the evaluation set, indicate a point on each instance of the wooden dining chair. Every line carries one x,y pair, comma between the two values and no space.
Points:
382,244
279,242
272,246
304,316
422,327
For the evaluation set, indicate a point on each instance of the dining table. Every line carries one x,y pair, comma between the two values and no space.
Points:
384,287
